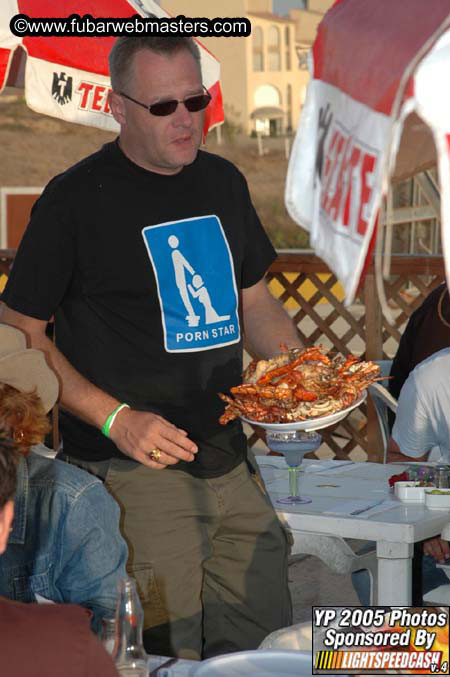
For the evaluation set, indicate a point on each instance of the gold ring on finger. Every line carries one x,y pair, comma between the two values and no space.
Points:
155,454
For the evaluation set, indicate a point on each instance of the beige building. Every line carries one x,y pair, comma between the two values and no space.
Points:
306,23
263,80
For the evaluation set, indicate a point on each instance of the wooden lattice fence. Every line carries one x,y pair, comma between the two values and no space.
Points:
305,286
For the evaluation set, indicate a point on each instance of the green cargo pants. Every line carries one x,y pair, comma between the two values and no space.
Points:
209,557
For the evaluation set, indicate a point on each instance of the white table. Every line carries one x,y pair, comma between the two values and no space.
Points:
395,530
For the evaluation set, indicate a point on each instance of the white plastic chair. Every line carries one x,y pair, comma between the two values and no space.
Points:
383,400
339,557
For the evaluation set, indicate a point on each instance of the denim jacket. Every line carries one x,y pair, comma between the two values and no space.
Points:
65,543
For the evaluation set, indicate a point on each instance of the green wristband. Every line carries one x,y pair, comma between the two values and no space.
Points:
106,427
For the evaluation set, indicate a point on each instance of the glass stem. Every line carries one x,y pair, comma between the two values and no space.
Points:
293,480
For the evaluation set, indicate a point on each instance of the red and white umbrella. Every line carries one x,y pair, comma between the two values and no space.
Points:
67,77
375,65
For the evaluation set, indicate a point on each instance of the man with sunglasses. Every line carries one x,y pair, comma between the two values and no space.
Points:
141,373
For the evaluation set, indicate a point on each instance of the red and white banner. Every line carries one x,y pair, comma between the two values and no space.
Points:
68,77
374,62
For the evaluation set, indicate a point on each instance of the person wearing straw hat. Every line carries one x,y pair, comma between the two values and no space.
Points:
65,543
42,639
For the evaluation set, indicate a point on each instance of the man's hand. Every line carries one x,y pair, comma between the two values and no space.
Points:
137,433
437,548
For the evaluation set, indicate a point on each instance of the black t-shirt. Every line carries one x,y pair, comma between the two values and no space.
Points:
143,273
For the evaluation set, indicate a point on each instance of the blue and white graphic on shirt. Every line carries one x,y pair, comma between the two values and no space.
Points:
197,289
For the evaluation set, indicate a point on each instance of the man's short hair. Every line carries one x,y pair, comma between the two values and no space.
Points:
124,48
9,459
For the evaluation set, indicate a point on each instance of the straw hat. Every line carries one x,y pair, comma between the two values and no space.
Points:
26,368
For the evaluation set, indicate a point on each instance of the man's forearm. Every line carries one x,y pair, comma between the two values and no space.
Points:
397,457
394,455
266,326
78,395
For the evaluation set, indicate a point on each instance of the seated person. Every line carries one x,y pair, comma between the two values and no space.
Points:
42,639
427,332
65,543
422,422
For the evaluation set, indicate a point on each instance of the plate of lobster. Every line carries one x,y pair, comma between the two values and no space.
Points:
311,424
300,390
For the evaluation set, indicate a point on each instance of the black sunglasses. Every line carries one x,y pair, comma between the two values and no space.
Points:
193,104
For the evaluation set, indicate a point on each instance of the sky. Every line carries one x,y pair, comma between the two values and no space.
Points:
283,6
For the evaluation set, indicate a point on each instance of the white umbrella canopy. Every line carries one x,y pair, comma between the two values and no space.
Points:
68,77
378,69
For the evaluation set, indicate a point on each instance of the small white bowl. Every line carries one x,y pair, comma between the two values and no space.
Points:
437,501
410,492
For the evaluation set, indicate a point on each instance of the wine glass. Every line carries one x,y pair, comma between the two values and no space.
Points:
293,444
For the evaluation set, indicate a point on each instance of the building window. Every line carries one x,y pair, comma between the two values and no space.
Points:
258,57
302,55
302,94
289,109
287,36
268,114
287,41
274,56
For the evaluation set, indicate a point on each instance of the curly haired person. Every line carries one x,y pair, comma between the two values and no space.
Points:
35,639
65,543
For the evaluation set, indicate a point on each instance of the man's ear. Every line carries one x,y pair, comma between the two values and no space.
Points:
6,518
117,105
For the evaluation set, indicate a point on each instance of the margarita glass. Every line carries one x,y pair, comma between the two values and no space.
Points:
293,444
